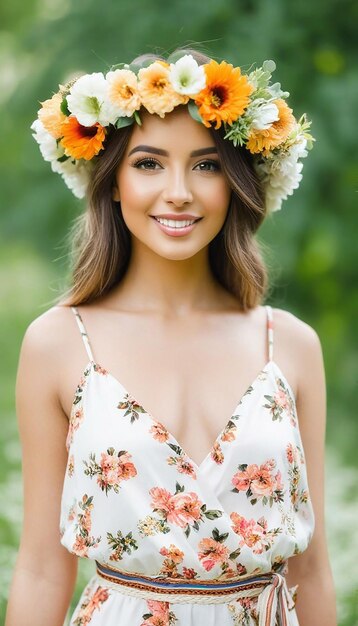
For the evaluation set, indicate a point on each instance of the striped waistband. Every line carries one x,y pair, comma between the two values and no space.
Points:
273,604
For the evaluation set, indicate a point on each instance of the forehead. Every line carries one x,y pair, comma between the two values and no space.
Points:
176,131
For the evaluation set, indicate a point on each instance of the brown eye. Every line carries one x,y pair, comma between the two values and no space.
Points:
208,166
146,164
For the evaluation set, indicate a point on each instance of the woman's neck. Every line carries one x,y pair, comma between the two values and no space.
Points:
168,286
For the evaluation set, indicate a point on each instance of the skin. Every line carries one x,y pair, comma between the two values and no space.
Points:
191,337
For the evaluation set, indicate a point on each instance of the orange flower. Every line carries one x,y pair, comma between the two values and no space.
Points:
123,91
173,553
212,552
81,142
225,96
51,115
155,89
159,432
266,140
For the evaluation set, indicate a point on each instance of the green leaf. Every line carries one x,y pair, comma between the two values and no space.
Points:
176,449
124,121
242,467
62,160
213,514
137,118
64,108
235,554
194,111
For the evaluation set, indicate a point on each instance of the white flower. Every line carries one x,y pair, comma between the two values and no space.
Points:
88,100
186,76
75,174
282,174
47,143
264,114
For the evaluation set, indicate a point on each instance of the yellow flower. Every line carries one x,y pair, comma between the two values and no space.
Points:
266,140
51,115
123,91
81,142
225,96
156,91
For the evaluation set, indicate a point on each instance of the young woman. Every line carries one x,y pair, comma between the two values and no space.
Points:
172,424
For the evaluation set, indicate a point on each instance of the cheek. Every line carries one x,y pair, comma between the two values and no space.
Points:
217,197
136,194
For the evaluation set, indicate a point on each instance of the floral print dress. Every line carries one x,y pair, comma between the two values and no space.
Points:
134,500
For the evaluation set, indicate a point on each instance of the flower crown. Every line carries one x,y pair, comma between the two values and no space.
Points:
72,126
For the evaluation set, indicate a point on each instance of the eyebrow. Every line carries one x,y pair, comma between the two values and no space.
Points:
152,150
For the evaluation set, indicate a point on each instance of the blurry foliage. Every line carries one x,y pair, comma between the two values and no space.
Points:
313,238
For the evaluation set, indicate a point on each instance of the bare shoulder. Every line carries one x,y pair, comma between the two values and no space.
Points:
302,342
43,342
297,332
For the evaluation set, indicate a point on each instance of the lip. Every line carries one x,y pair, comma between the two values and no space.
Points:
174,231
173,216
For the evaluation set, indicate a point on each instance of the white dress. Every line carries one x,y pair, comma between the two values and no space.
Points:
138,505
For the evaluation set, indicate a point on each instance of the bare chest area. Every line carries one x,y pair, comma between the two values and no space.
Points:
189,376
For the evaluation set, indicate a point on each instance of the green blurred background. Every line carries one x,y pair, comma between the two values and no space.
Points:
312,241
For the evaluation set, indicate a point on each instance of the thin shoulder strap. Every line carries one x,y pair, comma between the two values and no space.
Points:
83,332
269,314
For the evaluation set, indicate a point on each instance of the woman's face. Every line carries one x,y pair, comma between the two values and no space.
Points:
171,171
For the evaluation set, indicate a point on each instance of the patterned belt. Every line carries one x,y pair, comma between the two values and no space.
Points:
274,600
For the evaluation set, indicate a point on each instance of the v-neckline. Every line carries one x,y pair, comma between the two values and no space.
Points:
93,365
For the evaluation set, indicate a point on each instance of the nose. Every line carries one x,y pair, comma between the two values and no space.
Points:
177,190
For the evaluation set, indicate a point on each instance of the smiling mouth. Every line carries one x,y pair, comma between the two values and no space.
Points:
176,223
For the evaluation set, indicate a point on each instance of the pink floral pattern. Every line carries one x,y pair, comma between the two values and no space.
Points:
217,453
281,403
159,614
254,534
259,482
71,466
131,406
132,498
120,544
296,460
84,540
243,611
92,600
180,461
111,470
159,432
230,431
181,509
212,551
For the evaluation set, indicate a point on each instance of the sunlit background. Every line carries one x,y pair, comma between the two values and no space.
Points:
313,240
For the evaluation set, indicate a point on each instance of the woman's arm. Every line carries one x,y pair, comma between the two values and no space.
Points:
311,570
45,572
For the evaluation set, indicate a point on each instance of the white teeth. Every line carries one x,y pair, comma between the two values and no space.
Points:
174,223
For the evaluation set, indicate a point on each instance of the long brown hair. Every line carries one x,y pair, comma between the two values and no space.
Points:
100,242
